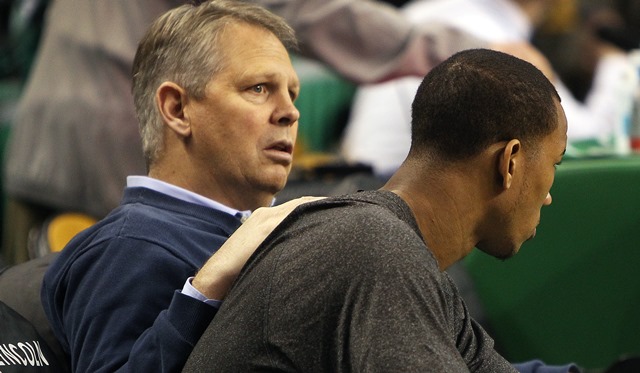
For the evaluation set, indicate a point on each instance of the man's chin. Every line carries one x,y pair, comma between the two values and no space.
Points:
503,253
508,255
271,193
274,180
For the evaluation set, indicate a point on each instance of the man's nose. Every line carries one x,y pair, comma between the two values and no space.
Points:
548,199
286,113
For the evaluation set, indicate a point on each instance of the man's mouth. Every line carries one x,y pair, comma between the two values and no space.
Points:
281,152
282,146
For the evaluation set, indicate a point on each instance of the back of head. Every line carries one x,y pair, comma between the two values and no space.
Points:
182,46
479,97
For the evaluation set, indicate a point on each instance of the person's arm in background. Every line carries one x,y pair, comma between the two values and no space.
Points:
370,41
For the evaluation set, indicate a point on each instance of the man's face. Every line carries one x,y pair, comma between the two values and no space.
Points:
518,219
245,128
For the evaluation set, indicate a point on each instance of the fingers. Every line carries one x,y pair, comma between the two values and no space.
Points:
258,226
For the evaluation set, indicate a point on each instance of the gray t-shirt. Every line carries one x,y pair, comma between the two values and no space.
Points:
345,284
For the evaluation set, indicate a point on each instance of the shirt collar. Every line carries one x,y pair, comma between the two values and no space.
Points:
183,194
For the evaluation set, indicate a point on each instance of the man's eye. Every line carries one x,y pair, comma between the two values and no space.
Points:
258,88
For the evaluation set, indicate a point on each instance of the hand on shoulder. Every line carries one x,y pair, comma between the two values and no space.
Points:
218,274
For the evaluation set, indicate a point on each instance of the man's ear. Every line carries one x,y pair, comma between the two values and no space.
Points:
509,161
171,100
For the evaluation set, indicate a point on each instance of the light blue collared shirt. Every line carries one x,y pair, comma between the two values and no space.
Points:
183,194
188,196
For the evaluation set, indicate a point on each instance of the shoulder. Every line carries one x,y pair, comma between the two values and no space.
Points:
136,235
372,235
363,220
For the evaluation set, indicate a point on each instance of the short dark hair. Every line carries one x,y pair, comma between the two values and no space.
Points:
476,98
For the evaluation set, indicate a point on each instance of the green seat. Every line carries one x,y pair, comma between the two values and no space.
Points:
573,293
324,103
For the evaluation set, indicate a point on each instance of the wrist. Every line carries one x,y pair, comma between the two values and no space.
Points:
214,284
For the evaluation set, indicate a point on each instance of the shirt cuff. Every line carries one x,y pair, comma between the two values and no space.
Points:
192,292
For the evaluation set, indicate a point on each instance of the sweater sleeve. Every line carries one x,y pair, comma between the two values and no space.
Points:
166,345
120,309
368,41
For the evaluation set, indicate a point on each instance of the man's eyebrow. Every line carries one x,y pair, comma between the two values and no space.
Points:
256,75
266,76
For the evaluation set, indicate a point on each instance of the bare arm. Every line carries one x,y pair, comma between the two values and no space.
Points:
368,41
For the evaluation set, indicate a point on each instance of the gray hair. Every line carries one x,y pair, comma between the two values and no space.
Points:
182,46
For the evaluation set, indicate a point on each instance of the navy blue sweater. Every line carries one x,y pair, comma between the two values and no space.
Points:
113,296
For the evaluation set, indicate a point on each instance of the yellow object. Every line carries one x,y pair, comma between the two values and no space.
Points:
64,227
561,18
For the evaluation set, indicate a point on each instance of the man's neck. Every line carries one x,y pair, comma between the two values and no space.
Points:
443,218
